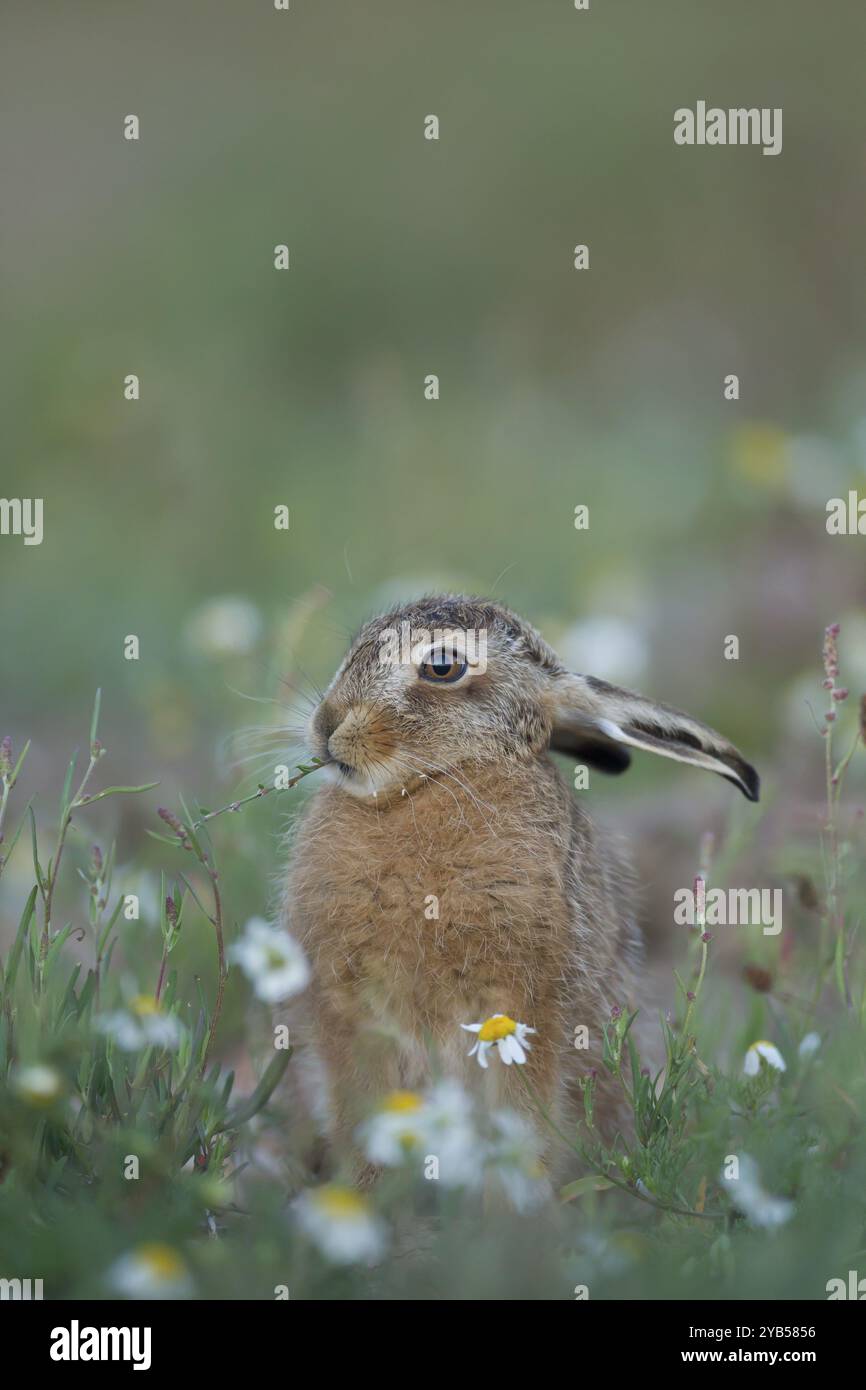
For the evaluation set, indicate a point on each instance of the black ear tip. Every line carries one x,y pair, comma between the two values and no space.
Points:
746,779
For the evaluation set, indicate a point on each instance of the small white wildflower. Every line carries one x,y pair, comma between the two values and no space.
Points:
515,1153
153,1270
451,1137
749,1196
341,1224
37,1085
396,1129
810,1044
410,1126
272,960
142,1024
501,1032
224,627
763,1052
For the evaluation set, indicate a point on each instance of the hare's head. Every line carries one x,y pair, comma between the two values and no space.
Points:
452,680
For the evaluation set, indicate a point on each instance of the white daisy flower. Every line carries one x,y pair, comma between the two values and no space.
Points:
341,1223
501,1032
516,1156
272,959
151,1271
395,1130
810,1044
451,1137
763,1052
409,1126
749,1196
38,1085
142,1024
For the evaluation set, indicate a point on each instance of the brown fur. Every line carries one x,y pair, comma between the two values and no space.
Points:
534,917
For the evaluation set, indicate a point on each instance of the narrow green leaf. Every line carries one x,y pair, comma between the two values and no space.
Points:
261,1095
9,846
40,877
163,839
67,786
592,1183
18,945
69,1002
13,776
186,883
106,964
113,791
635,1069
193,837
57,946
94,723
106,932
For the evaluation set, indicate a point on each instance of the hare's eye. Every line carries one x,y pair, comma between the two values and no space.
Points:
442,667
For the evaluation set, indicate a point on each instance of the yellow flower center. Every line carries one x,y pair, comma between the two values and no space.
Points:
499,1026
144,1004
399,1102
160,1260
340,1203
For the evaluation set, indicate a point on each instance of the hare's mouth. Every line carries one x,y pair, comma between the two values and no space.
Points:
364,781
338,770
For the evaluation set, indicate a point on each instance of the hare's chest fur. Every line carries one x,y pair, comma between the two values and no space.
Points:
439,909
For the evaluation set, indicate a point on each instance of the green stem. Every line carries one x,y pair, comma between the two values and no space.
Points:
256,795
48,896
217,923
599,1168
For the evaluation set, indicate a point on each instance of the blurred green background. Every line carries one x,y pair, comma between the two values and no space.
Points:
410,257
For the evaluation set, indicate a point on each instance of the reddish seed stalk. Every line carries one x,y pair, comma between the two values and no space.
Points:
217,921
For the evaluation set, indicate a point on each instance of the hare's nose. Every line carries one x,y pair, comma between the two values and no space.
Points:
340,731
326,721
347,736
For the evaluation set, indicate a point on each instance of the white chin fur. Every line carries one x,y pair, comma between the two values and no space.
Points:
363,785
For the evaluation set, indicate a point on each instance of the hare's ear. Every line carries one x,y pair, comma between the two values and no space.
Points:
597,723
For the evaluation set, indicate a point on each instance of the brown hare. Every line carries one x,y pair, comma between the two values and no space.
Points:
448,873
